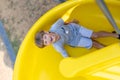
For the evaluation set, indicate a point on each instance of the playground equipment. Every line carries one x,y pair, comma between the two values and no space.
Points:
33,63
7,43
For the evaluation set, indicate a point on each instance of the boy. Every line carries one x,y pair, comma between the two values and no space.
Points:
72,34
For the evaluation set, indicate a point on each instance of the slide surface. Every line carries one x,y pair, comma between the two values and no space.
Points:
33,63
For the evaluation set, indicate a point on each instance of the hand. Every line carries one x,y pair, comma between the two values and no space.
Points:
75,21
72,21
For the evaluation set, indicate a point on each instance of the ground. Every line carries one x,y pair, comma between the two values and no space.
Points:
18,16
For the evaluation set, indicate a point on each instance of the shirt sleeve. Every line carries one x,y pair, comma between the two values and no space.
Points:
61,50
57,24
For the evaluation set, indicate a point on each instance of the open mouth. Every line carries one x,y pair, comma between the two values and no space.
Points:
51,39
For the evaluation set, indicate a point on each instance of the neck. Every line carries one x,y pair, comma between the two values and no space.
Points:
57,36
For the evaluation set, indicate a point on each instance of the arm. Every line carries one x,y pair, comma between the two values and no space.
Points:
57,24
61,50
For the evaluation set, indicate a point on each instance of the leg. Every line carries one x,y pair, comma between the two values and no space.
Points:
97,44
104,34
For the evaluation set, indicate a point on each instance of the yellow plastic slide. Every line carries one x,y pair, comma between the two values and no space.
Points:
33,63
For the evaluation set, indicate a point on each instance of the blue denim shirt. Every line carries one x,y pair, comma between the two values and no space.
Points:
68,35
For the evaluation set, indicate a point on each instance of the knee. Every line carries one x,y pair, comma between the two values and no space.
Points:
94,35
98,34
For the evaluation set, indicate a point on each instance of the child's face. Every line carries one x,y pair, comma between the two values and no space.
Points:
49,38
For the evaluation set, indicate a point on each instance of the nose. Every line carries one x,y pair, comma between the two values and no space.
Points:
48,38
